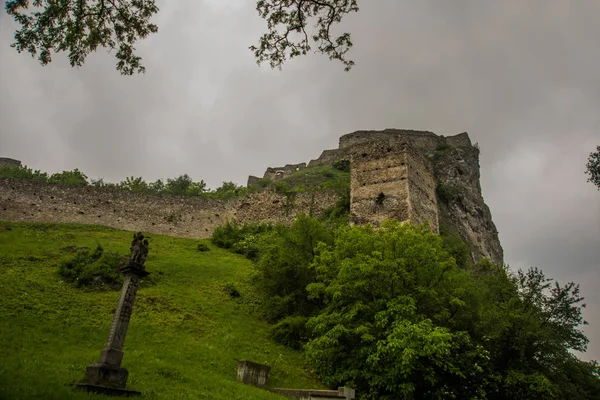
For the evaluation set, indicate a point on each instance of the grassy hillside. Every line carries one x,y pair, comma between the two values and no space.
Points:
324,177
185,335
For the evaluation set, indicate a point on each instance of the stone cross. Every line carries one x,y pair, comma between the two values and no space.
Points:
107,376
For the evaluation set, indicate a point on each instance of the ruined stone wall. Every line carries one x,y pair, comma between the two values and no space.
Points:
391,179
378,185
405,166
460,140
9,161
288,169
327,157
420,139
421,189
184,216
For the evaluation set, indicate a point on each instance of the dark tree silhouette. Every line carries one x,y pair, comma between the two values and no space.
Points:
80,27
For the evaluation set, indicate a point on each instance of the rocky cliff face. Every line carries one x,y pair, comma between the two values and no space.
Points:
462,208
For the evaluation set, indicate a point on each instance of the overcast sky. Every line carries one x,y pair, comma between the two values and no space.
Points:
521,77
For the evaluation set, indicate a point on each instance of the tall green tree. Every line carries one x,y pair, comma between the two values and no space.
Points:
391,298
593,167
399,319
80,27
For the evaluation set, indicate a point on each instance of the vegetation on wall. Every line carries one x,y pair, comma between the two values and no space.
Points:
446,193
183,185
309,179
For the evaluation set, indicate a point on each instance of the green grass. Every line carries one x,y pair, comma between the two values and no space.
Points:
185,335
317,178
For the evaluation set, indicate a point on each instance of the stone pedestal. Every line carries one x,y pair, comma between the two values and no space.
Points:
107,376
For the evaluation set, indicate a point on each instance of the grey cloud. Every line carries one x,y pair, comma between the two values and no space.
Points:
521,77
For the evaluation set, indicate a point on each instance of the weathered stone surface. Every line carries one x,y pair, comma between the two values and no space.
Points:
274,173
314,394
252,373
9,161
107,390
465,212
106,375
182,216
391,180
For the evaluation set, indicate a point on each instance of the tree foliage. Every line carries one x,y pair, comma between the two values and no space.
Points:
80,27
286,18
400,313
401,320
593,167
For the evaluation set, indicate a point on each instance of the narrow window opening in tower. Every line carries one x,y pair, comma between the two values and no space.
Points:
364,155
380,199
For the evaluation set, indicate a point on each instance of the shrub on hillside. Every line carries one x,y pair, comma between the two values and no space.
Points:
291,331
202,247
231,233
88,268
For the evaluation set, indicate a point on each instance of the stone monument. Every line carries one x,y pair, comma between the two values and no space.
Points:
107,376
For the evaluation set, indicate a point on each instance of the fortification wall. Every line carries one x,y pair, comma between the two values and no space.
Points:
421,139
9,161
288,169
378,183
404,166
460,140
184,216
327,157
421,189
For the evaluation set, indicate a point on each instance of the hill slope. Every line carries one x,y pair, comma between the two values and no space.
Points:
185,335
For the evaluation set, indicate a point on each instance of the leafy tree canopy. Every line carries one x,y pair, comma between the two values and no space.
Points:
593,167
401,313
80,27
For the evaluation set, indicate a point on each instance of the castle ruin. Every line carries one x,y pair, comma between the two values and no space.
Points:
407,175
415,176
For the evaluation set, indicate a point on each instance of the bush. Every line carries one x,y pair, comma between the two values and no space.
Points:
231,233
340,210
74,177
291,331
446,193
87,268
283,269
456,247
18,172
231,290
203,247
342,165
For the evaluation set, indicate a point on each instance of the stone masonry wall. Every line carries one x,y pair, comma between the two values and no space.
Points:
184,216
9,162
327,157
378,185
421,189
421,139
